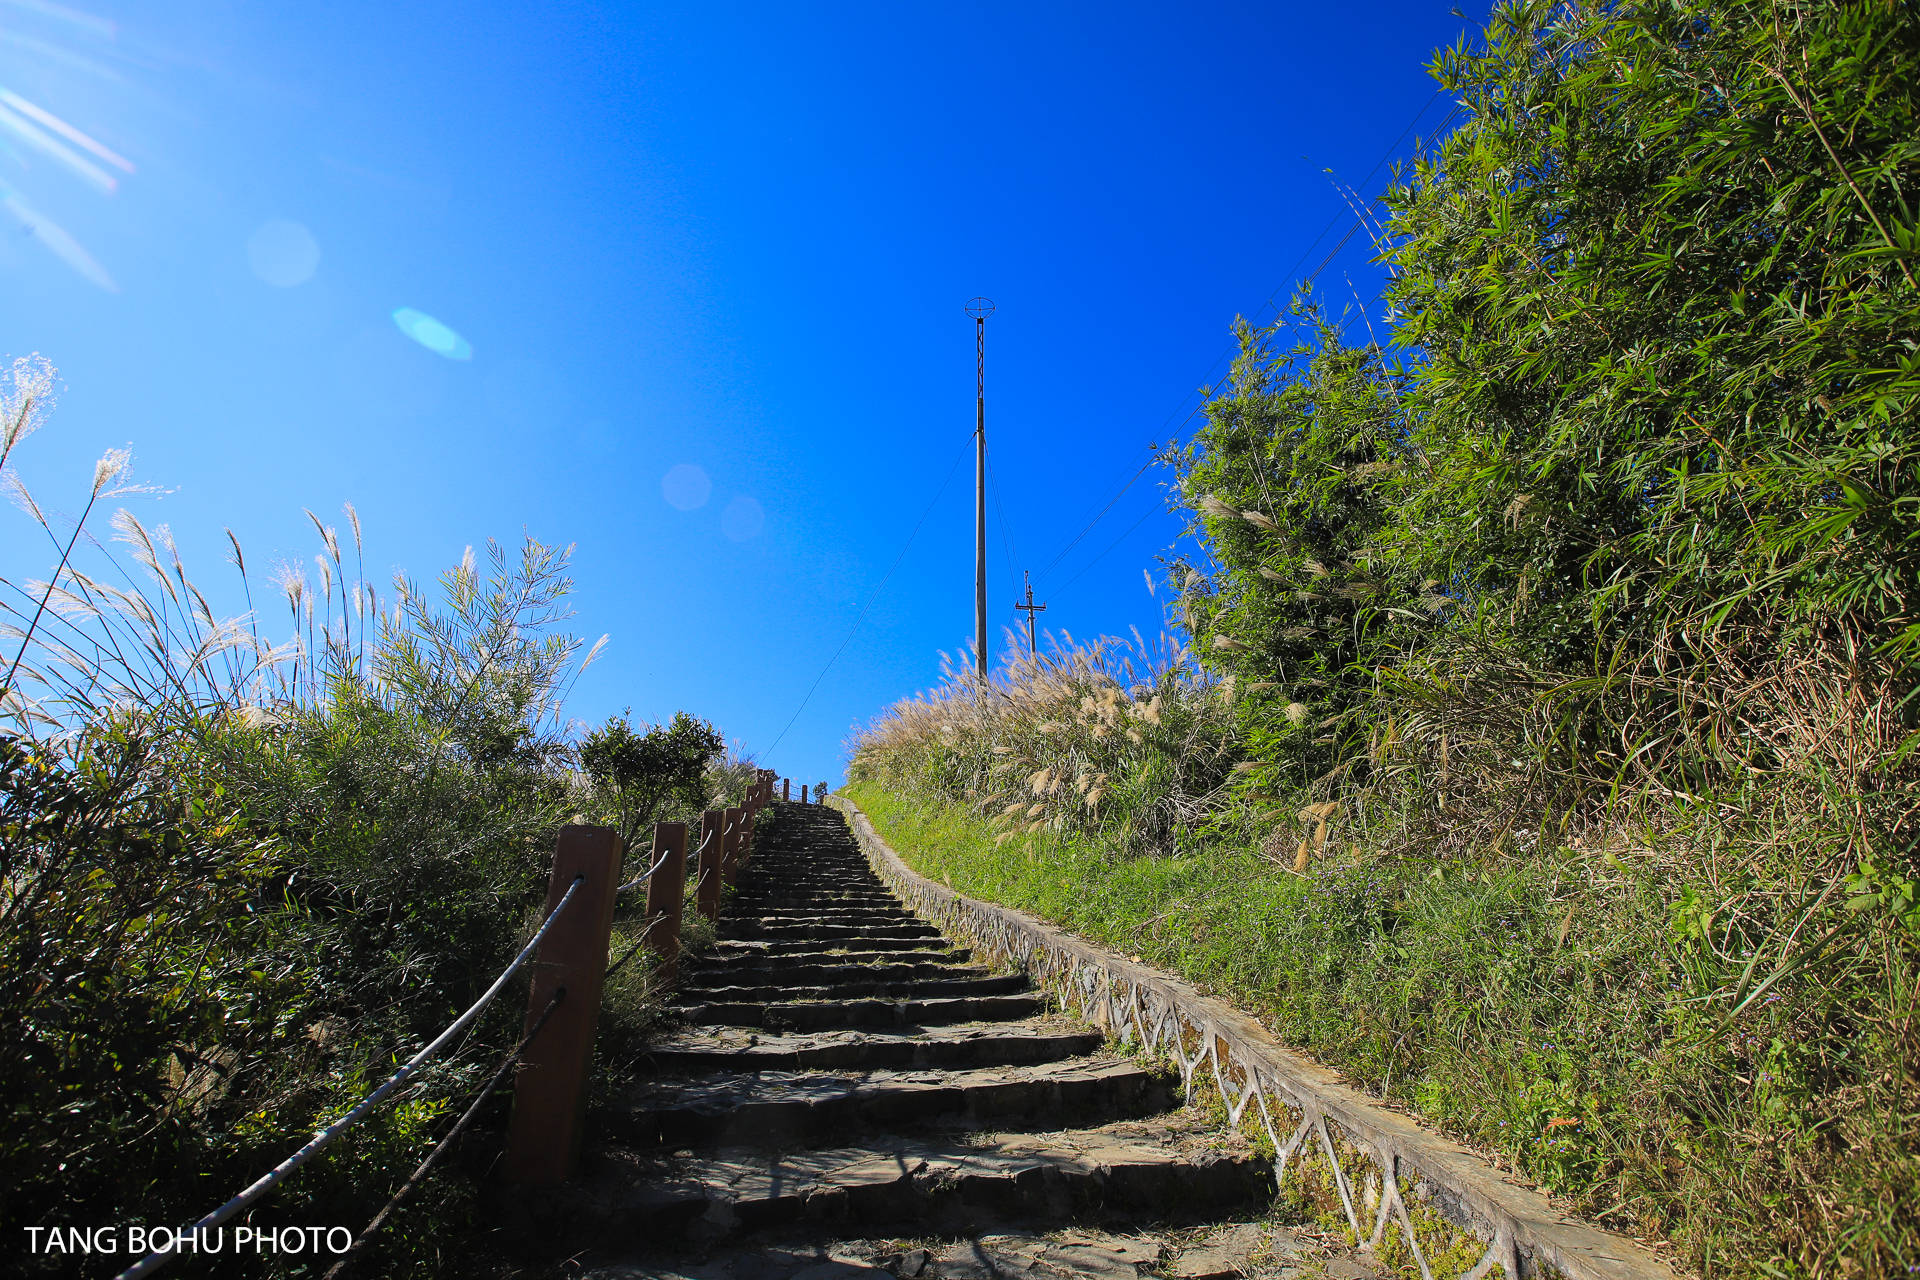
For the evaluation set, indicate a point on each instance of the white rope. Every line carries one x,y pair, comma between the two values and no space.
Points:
272,1178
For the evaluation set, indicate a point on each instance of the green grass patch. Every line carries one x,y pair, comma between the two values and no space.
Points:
1545,1007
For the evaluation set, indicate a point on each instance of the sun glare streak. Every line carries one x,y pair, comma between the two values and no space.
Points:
55,237
65,130
65,57
40,140
104,27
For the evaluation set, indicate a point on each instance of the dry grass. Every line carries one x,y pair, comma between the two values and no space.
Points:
1135,740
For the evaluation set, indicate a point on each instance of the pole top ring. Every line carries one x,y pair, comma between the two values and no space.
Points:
980,308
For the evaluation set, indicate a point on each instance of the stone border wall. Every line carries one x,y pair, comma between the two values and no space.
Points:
1297,1104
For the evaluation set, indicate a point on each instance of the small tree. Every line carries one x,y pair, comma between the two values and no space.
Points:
642,772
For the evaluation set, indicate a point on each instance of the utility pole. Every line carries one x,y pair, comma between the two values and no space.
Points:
980,309
1031,609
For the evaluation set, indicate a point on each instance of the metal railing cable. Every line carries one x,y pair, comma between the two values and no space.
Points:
641,941
459,1127
642,878
274,1176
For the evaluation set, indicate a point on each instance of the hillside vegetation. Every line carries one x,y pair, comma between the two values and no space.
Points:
242,878
1544,753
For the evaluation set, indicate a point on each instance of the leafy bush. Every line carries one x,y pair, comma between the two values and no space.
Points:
640,772
242,878
1564,649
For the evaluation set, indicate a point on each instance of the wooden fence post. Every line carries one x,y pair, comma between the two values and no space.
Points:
666,890
550,1088
707,892
803,793
786,788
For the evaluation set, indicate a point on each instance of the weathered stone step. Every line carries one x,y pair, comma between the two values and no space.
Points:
707,978
777,1108
859,917
735,930
957,1046
751,895
1154,1169
826,946
761,879
860,988
818,906
809,1015
742,955
1226,1252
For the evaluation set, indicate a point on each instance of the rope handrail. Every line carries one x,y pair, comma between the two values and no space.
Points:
273,1177
644,876
648,874
453,1135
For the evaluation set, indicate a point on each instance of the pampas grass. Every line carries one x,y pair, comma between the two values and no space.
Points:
1132,740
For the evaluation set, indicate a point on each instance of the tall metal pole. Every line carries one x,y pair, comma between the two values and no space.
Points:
980,309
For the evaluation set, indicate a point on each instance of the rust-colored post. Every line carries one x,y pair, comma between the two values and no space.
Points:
666,889
803,793
550,1088
707,892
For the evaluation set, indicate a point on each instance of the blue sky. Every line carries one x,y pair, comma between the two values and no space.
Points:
731,237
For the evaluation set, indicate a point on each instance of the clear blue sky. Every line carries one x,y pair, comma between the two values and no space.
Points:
736,237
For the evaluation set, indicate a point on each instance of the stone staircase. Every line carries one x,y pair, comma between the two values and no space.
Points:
848,1095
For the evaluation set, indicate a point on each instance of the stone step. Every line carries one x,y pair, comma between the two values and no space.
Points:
1226,1252
738,930
1154,1169
816,906
828,946
812,1015
832,916
948,1047
742,955
778,1108
709,977
753,892
864,988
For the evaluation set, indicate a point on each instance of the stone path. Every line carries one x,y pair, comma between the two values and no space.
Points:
850,1097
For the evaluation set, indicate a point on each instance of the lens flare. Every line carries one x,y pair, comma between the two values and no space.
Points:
744,518
431,334
283,253
686,486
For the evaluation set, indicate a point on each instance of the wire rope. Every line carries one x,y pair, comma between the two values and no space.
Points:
274,1176
872,596
1358,219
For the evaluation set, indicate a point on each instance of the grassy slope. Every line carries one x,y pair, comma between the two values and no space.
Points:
1492,1000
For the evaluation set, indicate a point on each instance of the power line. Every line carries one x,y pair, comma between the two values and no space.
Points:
1097,517
1148,515
1006,530
872,596
1333,222
1358,222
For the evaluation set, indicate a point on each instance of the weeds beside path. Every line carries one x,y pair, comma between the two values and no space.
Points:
1537,1006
